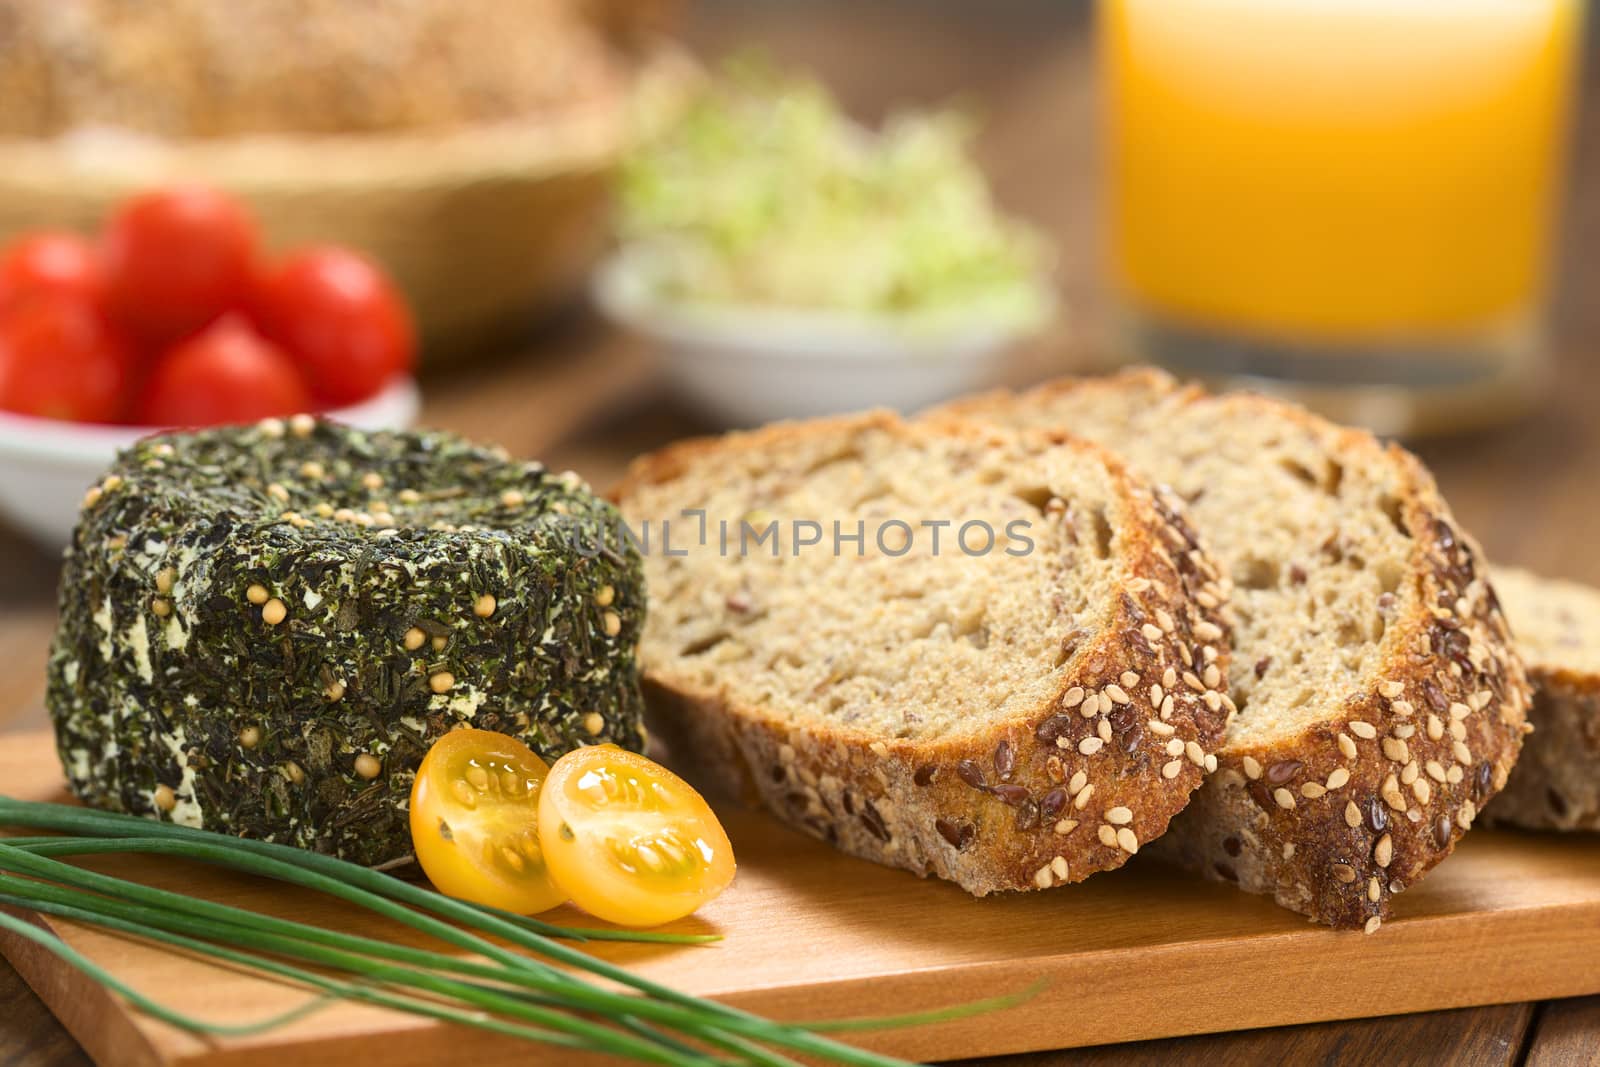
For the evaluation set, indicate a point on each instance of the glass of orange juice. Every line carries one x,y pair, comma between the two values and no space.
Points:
1350,201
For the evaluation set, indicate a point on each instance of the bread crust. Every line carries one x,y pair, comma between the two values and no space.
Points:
1026,804
1556,784
1336,820
1342,856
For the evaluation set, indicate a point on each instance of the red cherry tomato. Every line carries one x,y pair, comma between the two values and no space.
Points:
227,373
341,319
176,259
49,264
60,360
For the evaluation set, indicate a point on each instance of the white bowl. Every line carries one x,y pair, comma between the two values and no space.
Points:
46,465
751,365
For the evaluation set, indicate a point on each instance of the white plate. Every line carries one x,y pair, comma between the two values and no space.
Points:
46,464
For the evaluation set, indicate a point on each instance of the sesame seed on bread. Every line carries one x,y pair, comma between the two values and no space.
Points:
1011,719
1380,701
1556,784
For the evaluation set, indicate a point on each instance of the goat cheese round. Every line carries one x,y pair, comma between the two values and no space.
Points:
263,629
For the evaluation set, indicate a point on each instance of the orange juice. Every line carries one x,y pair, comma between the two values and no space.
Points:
1335,171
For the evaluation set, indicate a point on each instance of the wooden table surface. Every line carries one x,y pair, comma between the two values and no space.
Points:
581,395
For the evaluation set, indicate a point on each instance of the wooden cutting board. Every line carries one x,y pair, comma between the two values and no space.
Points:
811,934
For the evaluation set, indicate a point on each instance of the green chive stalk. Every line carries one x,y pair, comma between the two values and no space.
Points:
36,863
332,990
542,998
44,939
175,913
314,945
385,895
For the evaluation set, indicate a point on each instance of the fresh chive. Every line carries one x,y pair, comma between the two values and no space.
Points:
22,928
84,822
539,992
308,944
384,895
333,990
36,862
589,933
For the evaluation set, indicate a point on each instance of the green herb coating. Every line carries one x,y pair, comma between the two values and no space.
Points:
263,629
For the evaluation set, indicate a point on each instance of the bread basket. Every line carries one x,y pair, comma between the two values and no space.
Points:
483,226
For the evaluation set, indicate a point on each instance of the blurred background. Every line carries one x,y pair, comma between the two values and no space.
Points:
585,227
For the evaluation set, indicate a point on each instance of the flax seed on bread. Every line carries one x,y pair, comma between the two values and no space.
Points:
1556,785
1380,702
1009,719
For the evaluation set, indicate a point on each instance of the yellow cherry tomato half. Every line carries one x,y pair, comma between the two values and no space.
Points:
475,822
629,841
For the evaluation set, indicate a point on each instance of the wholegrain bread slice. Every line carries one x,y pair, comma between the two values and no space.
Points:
1379,701
997,717
1556,784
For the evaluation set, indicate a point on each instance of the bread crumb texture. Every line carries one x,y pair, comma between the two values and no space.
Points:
1008,716
1556,784
1380,704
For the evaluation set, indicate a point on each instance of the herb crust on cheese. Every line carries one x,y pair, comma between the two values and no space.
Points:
264,628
